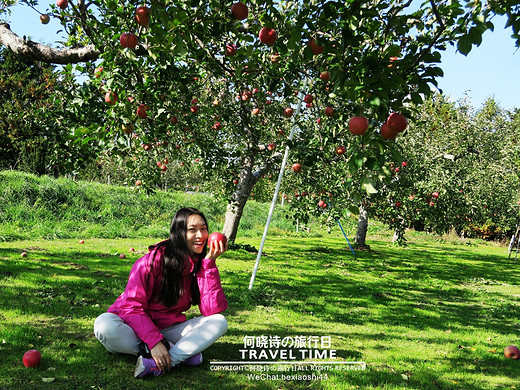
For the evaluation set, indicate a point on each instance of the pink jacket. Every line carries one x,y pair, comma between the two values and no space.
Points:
136,305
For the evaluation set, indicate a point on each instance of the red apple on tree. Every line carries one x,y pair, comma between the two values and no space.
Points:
325,76
142,15
138,183
255,111
141,111
387,132
397,122
315,48
271,147
23,254
194,109
62,4
329,111
32,358
216,237
98,71
217,126
308,99
297,167
512,352
267,35
44,19
239,11
322,204
435,195
288,112
340,150
128,40
128,128
358,125
231,49
111,98
174,120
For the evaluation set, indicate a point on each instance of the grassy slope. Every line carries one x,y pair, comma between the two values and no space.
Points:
430,316
43,207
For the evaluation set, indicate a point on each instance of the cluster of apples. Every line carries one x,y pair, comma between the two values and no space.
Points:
142,18
163,165
266,35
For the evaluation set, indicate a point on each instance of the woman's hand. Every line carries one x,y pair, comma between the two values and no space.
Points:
216,249
161,356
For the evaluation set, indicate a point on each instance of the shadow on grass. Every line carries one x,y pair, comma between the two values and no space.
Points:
418,288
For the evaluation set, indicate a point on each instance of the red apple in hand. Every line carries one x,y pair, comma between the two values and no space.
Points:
512,352
268,36
216,238
32,358
358,125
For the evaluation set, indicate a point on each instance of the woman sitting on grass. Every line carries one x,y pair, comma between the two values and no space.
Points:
147,319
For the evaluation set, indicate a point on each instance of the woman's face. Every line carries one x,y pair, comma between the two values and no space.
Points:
196,233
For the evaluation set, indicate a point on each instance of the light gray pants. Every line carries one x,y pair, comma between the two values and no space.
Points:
188,338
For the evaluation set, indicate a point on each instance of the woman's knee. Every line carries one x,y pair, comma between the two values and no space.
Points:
220,321
105,326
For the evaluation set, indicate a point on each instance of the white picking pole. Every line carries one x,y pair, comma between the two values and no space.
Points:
275,197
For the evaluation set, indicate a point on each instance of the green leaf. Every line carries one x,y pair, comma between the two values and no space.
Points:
464,44
368,186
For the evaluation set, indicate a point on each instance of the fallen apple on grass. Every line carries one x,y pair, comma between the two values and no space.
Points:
32,358
512,352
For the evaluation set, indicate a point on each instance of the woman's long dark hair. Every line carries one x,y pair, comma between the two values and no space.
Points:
176,257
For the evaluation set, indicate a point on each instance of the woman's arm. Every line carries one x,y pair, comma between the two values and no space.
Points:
212,298
136,297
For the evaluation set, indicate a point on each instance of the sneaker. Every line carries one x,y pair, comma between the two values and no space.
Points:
145,367
195,360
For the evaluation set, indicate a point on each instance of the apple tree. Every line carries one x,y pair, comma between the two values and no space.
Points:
460,172
34,134
216,83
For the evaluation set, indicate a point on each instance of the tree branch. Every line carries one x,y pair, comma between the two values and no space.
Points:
39,52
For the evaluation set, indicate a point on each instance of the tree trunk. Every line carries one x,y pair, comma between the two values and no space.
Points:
362,228
235,208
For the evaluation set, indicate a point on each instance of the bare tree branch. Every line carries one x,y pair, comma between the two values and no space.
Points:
39,52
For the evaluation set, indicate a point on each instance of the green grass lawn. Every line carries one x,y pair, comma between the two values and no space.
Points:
436,314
